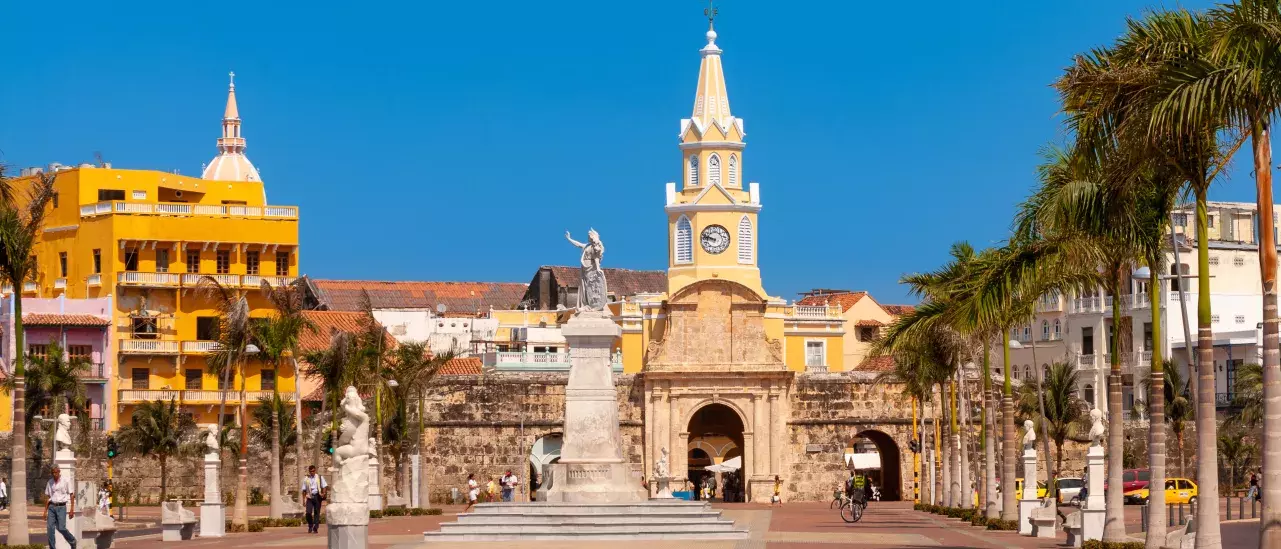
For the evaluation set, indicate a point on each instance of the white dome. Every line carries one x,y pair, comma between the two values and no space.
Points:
231,166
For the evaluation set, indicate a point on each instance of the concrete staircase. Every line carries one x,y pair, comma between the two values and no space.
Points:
653,520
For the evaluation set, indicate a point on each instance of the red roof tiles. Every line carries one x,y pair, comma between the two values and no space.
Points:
844,299
876,364
869,323
328,321
621,282
63,319
898,310
458,297
461,366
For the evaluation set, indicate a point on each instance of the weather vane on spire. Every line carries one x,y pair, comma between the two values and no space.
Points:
710,12
232,74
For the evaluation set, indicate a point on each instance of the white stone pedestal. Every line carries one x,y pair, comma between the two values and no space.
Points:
663,489
348,536
65,459
591,467
1029,499
414,471
375,496
213,518
1093,507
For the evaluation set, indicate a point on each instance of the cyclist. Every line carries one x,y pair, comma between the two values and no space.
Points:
854,488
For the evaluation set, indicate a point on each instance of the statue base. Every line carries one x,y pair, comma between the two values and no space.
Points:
590,483
348,536
66,461
663,489
1029,500
1094,506
213,520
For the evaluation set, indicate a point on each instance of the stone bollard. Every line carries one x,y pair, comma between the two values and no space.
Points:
1029,500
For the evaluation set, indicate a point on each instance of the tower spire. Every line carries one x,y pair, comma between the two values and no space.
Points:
711,101
231,163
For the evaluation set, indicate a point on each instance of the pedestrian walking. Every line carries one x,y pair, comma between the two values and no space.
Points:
1253,494
473,491
4,493
314,491
491,490
509,482
778,491
60,491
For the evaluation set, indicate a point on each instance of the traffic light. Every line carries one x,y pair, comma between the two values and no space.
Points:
329,443
915,446
112,449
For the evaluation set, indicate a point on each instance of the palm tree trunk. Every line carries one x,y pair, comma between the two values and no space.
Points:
1207,515
989,453
422,457
1009,507
298,445
18,534
967,490
1270,525
945,452
953,449
1114,499
1045,428
1156,420
315,449
276,509
164,477
240,513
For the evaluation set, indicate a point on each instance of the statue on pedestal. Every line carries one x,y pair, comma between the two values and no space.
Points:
62,434
211,441
661,467
592,290
1030,436
349,489
1096,427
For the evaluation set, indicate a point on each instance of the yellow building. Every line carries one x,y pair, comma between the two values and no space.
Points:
147,238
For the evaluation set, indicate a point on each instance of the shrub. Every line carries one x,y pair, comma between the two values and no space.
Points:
375,514
998,524
1096,544
395,512
233,528
255,527
27,546
978,520
256,496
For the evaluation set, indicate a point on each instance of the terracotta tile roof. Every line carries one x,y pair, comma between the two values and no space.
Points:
461,366
63,319
458,297
328,321
898,310
869,323
876,364
844,299
621,282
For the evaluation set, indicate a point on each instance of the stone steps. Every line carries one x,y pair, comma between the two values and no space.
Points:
663,520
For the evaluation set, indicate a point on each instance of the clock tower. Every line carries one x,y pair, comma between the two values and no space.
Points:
712,214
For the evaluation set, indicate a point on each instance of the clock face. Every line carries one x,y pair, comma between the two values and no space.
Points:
715,239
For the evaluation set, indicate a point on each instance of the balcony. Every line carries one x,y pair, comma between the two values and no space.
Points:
1142,357
813,312
188,210
60,283
529,361
255,281
1136,301
199,347
148,347
200,396
1088,305
1048,304
94,280
148,280
30,287
224,280
97,424
1085,361
97,372
1224,400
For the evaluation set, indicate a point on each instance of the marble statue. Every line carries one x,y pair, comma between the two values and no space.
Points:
660,467
211,439
1096,427
349,485
1030,437
591,286
62,435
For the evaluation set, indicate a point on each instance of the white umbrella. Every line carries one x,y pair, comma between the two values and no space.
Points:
726,466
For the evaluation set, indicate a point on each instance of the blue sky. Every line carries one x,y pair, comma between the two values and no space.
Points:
459,140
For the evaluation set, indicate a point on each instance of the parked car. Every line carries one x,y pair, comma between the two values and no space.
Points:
1134,479
1018,489
1177,490
1069,490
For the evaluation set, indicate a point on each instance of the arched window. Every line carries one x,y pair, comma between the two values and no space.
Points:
744,239
693,170
1014,372
714,169
733,170
1058,329
684,241
1088,394
1027,371
1027,333
1045,330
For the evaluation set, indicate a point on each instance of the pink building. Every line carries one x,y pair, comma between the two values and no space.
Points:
82,327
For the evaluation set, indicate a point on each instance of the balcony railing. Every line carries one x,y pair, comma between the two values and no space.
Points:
190,280
1085,361
1136,301
1223,400
255,281
30,287
1048,304
1051,337
536,361
97,424
94,280
148,280
148,347
199,347
533,357
1142,357
60,283
1083,305
141,395
97,371
225,280
185,209
821,312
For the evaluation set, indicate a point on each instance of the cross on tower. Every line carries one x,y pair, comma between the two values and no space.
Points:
232,74
710,12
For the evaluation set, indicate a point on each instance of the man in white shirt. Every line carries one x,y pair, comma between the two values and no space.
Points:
60,494
509,482
4,493
314,489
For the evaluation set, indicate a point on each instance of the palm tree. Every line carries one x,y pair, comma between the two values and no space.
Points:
235,336
158,429
1235,451
1179,409
53,382
277,340
1063,411
913,369
1247,402
273,417
19,233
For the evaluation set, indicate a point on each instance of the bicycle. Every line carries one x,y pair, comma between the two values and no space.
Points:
838,499
852,511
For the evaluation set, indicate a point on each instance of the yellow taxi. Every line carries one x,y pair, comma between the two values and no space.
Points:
1177,490
1041,489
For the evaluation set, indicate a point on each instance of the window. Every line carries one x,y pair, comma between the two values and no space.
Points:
141,378
251,263
1214,260
1209,221
866,333
1147,336
714,169
145,327
38,351
62,264
193,261
193,376
223,262
282,263
162,260
207,328
268,380
1233,365
1045,329
131,259
1180,269
1027,371
814,353
54,199
1027,333
1088,394
1058,329
1214,319
733,170
1014,372
693,170
110,194
1180,220
138,195
1240,319
1238,262
745,240
684,241
80,353
225,384
97,262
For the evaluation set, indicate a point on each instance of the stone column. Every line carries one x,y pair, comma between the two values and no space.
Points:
775,417
415,472
212,516
677,446
65,459
375,496
1029,500
1092,509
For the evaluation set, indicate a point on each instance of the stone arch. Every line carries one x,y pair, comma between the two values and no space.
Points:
718,428
891,457
693,410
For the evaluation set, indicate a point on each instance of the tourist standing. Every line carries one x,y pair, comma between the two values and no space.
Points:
778,491
314,491
1253,494
4,493
56,513
473,490
509,485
